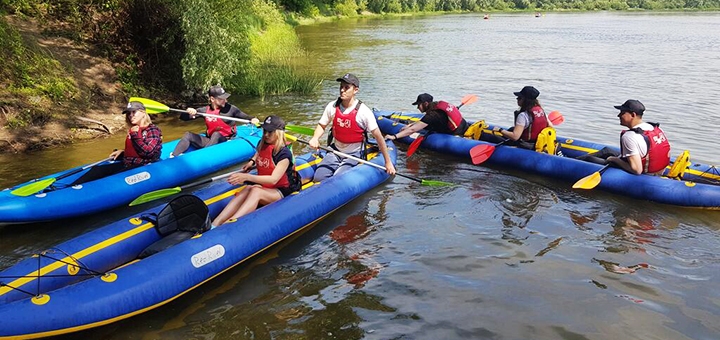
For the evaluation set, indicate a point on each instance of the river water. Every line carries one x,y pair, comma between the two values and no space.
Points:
502,255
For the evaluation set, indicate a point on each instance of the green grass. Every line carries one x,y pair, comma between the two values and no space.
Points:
278,64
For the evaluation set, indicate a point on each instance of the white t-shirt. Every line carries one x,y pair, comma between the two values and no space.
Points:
523,119
364,118
633,143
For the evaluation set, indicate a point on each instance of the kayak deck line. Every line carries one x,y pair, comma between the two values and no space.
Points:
32,276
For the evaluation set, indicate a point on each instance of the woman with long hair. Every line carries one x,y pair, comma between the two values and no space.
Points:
530,119
143,145
274,179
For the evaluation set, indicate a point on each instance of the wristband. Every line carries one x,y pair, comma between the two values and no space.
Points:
253,161
394,136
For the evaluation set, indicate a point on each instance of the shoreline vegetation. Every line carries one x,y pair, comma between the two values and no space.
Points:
85,56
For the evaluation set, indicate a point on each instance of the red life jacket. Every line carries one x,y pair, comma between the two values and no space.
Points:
129,148
453,113
658,148
266,165
538,121
216,124
345,126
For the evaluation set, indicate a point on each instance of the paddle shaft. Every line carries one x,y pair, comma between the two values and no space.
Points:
83,168
245,121
360,160
239,120
208,180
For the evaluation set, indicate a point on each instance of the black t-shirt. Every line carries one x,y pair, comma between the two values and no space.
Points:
283,154
437,121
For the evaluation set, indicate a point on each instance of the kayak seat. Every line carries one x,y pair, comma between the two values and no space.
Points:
682,162
181,219
546,141
475,130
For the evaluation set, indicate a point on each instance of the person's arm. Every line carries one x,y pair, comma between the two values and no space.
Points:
412,128
325,120
514,134
147,147
191,113
520,123
633,164
315,140
390,168
278,172
116,153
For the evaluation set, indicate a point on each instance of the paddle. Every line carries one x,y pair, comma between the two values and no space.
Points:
153,107
421,181
162,193
481,153
29,189
556,118
590,181
469,99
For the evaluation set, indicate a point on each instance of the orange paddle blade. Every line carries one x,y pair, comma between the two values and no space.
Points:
556,117
414,145
469,99
481,153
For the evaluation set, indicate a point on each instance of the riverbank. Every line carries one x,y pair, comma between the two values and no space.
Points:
32,117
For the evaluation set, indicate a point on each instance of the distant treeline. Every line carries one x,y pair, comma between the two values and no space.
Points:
250,46
356,7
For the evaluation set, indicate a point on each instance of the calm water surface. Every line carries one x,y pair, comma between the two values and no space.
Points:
501,255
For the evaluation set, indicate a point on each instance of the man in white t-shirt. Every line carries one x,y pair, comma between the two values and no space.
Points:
632,145
633,156
350,120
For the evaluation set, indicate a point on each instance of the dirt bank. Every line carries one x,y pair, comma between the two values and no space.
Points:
93,113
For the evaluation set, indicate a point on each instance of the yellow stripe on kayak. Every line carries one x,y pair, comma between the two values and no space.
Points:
30,277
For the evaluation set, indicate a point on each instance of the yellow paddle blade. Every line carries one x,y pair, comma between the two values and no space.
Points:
151,106
588,182
32,188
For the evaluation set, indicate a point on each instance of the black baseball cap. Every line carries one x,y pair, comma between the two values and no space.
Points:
528,92
631,105
423,98
272,123
218,92
133,106
350,79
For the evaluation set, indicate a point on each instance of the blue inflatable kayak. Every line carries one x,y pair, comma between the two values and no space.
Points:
63,200
699,187
101,277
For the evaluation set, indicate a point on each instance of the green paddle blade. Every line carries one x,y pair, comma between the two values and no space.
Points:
300,129
29,189
155,195
433,183
588,182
